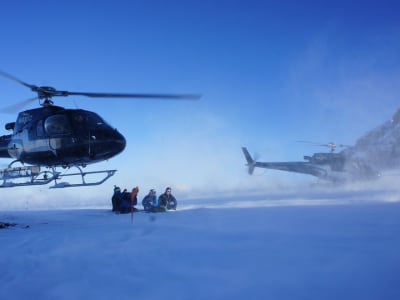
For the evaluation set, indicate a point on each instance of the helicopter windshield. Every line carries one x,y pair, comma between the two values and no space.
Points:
57,125
85,119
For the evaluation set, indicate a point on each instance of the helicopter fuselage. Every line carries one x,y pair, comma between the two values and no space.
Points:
54,136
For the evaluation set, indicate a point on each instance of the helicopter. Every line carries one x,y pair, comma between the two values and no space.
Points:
376,151
329,166
51,137
317,165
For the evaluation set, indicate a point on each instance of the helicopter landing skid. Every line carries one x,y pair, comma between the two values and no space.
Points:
57,185
31,175
15,176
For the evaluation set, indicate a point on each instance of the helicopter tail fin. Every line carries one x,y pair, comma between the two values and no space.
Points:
251,164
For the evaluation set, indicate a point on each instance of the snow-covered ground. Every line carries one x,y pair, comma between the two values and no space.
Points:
305,245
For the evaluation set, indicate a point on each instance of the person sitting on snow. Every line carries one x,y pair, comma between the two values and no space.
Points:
167,200
150,201
126,202
134,193
116,199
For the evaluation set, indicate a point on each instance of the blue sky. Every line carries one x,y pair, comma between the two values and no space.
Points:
270,72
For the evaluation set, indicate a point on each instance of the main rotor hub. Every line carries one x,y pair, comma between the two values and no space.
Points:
45,92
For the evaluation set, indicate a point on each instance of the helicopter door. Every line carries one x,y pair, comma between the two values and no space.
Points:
57,127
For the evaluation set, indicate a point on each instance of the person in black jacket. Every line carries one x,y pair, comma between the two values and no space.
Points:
116,199
125,206
167,200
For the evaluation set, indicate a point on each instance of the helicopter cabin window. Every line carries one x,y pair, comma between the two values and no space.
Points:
39,128
57,125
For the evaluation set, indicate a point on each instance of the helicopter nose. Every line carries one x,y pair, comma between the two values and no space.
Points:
116,144
106,144
119,143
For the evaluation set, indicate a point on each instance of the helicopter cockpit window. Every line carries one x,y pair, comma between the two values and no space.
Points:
57,125
86,119
95,119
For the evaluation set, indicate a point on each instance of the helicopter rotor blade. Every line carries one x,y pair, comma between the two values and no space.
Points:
31,86
17,107
331,144
135,95
312,143
47,92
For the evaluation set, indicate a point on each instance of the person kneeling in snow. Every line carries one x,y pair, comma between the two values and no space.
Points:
116,199
150,202
167,200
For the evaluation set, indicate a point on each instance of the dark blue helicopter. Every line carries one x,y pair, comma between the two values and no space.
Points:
52,136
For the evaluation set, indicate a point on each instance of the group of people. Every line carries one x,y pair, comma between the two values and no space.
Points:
125,202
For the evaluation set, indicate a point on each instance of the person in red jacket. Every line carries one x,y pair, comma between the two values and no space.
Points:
134,194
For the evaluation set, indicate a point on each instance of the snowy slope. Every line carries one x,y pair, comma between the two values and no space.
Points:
380,147
298,245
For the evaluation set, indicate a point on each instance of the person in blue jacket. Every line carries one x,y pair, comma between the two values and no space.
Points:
150,201
167,200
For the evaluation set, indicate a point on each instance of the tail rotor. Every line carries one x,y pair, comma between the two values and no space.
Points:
251,163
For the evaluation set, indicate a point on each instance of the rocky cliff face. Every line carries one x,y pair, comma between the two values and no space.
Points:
379,148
